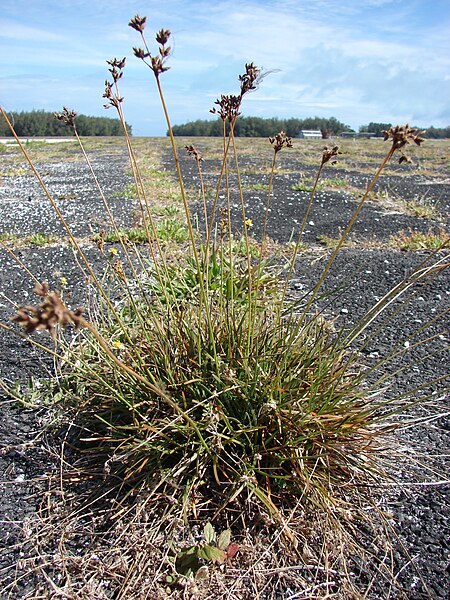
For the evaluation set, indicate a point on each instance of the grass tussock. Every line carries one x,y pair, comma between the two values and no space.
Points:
225,415
418,240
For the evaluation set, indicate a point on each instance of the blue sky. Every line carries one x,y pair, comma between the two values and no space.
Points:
357,60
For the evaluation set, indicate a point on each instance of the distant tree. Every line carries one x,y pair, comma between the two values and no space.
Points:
437,133
375,128
260,127
39,123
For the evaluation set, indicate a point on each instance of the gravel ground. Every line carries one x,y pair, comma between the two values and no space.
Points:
420,512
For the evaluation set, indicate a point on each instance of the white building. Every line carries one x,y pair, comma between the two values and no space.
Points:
310,134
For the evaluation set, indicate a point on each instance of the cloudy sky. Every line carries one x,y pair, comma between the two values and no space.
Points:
357,60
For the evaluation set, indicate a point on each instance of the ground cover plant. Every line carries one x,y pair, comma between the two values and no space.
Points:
224,413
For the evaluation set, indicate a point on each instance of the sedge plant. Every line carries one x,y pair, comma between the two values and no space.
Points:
209,376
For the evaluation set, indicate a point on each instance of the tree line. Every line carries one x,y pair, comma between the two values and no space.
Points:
40,123
432,133
260,127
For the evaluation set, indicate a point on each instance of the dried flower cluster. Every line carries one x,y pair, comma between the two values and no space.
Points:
330,153
138,23
48,314
280,141
401,135
67,116
111,90
229,105
156,63
192,151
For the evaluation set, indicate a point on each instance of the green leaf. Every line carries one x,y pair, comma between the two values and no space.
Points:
213,554
187,561
210,533
224,539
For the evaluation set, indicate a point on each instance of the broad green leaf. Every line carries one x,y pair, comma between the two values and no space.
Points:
210,533
213,554
187,561
224,539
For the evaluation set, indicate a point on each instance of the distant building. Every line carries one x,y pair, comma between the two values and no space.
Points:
310,134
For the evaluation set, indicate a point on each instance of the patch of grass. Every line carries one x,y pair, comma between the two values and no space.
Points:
416,240
257,187
40,239
166,211
167,230
423,207
172,230
331,242
419,207
15,172
128,193
34,239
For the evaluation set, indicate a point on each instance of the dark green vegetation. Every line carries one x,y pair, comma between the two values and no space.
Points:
261,127
39,123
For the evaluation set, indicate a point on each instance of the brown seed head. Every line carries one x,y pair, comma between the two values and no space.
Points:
280,141
329,153
229,107
162,37
140,53
118,268
138,23
48,314
249,78
67,116
192,151
116,68
401,135
157,65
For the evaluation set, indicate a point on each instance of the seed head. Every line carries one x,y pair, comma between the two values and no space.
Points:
249,78
401,135
138,23
67,116
229,107
163,36
329,153
192,151
280,141
48,314
140,53
116,68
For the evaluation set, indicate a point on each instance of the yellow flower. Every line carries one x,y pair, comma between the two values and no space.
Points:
249,222
63,281
113,251
117,344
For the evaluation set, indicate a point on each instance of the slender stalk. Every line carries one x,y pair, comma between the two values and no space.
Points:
203,290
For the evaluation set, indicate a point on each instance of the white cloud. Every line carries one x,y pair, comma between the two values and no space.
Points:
13,30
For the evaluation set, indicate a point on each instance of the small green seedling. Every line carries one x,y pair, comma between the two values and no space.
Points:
216,550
